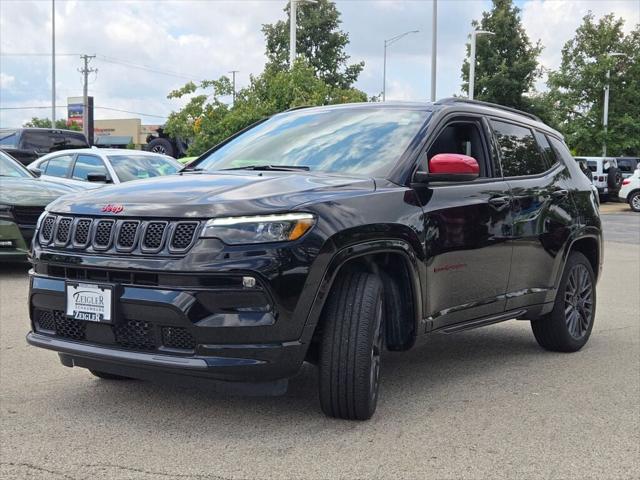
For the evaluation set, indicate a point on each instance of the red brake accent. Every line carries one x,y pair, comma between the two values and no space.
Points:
453,163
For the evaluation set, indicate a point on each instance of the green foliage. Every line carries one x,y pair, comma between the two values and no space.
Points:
577,88
319,41
507,62
61,124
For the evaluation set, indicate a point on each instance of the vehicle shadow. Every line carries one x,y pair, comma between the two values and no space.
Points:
427,374
14,269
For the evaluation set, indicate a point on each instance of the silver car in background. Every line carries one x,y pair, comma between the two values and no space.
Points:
102,166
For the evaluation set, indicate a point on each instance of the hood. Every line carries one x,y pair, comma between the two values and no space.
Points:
205,195
30,191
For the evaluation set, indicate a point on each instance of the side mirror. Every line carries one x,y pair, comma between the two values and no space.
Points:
98,178
37,172
450,167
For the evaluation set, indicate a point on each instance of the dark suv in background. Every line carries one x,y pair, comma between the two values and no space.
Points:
323,234
28,144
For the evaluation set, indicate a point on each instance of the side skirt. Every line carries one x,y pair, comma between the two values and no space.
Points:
481,322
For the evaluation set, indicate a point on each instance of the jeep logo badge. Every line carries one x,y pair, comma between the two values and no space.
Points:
112,208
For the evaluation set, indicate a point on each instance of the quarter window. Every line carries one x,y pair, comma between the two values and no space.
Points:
86,164
519,151
59,166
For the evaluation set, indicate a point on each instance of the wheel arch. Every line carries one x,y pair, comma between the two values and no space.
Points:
395,261
591,247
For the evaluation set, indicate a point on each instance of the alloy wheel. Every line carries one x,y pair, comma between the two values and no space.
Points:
635,202
578,301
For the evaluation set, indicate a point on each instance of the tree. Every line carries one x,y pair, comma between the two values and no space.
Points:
61,123
319,41
507,62
576,89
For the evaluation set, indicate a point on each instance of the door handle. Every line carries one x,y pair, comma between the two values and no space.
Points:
561,193
500,202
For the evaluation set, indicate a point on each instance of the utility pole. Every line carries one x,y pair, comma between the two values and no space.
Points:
85,94
53,63
233,76
434,49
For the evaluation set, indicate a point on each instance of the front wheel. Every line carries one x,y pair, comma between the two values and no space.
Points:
634,201
352,343
568,327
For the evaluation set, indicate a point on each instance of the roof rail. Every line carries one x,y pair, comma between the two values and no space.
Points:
299,107
450,100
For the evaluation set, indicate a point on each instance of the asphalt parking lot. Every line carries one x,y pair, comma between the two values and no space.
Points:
488,403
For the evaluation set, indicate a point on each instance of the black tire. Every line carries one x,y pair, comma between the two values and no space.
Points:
161,145
352,342
634,201
108,376
568,327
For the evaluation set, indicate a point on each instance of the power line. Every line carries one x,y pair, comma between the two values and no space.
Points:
147,68
134,113
109,59
42,107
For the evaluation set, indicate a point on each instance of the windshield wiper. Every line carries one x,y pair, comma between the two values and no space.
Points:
281,168
191,169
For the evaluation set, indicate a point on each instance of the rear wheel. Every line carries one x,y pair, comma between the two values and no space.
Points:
568,327
108,376
352,343
634,201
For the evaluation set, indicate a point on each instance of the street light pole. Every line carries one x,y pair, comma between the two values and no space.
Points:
472,60
605,110
387,43
233,74
293,26
53,63
434,49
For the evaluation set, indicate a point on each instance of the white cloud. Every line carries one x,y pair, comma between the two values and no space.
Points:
6,81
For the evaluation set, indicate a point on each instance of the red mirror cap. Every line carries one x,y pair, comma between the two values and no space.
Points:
453,163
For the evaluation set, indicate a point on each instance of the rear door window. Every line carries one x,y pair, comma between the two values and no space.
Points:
519,152
59,166
75,141
86,164
547,152
38,141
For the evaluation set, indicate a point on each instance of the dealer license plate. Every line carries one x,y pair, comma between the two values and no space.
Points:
89,302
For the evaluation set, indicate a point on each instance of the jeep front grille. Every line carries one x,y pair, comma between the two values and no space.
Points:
109,235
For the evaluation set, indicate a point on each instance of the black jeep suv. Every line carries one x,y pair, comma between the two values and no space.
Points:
323,234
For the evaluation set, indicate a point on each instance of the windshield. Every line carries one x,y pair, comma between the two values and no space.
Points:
362,141
8,138
136,167
11,168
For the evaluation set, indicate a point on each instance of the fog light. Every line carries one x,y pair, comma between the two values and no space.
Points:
248,282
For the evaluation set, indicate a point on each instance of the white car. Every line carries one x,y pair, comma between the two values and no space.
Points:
607,178
101,166
630,191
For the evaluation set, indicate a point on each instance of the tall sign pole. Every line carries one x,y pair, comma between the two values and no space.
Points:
292,31
53,63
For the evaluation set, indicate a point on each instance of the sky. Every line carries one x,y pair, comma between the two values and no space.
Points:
146,48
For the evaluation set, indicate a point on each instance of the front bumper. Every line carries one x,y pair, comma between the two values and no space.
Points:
195,325
12,243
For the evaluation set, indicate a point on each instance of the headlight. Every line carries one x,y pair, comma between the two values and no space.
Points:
259,228
5,212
